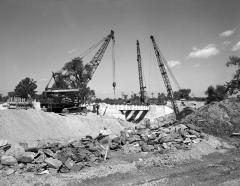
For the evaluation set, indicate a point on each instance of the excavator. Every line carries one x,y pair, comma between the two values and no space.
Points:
58,100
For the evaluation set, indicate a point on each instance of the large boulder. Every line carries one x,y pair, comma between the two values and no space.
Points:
147,148
77,167
69,163
53,163
26,157
8,160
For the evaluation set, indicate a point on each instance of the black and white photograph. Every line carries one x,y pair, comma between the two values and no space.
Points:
119,93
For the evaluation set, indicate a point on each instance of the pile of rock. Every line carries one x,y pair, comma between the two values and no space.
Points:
75,155
220,118
50,157
155,138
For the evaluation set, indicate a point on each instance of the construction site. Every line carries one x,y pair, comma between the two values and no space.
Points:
67,136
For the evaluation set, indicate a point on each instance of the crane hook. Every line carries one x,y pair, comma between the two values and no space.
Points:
114,86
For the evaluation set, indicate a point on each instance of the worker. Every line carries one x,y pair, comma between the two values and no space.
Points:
97,108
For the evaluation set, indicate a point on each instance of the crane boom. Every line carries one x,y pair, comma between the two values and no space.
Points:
66,92
142,87
99,54
94,63
160,60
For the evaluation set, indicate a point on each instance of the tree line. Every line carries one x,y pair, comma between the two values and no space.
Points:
77,74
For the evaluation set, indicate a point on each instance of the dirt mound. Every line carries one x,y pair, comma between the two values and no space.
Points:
157,111
31,125
221,118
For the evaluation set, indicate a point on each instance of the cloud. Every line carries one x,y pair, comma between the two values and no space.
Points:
227,33
206,52
173,63
225,43
72,51
236,46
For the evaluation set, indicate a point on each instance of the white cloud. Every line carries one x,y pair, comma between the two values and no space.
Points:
225,43
236,46
173,63
72,51
206,52
227,33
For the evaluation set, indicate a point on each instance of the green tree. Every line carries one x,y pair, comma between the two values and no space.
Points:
182,94
162,99
75,75
135,99
215,94
234,84
1,98
26,88
59,82
124,96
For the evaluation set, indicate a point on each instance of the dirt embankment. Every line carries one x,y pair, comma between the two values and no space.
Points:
31,125
221,118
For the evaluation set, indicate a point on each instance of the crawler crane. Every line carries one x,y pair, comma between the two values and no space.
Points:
161,61
58,97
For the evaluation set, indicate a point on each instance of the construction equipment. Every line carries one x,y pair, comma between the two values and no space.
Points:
140,74
161,61
60,94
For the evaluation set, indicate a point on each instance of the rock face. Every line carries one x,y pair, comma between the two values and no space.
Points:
8,160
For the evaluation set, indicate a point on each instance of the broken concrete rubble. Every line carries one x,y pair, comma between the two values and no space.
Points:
218,119
8,160
51,157
26,157
53,163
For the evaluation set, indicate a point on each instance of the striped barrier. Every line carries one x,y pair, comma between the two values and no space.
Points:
133,113
134,116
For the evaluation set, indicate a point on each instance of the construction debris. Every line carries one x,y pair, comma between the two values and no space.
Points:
221,118
53,157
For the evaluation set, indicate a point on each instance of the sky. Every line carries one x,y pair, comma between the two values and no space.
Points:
196,37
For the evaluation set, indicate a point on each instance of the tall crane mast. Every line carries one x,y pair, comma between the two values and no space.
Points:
140,74
99,54
95,61
161,60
